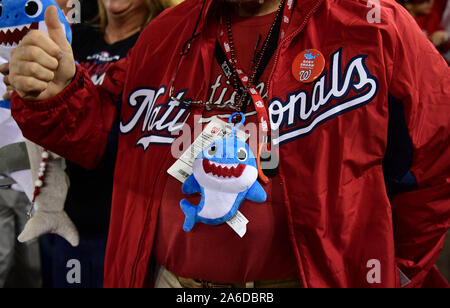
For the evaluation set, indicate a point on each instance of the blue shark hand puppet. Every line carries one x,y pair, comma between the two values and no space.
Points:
17,18
225,174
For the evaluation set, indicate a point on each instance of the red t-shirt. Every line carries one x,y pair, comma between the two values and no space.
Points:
217,253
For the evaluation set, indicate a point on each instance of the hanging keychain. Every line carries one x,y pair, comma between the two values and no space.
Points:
225,174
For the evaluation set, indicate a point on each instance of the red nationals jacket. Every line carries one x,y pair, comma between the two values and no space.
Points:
364,155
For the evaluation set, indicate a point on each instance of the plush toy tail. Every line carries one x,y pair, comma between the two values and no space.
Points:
191,214
50,222
49,216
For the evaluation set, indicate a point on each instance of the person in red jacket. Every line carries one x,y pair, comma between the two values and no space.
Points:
358,112
428,14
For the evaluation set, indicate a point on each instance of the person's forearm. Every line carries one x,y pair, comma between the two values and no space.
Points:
69,124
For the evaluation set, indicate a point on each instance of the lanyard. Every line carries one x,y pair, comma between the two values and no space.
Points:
227,70
255,95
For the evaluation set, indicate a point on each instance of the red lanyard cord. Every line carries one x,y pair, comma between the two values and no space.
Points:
226,43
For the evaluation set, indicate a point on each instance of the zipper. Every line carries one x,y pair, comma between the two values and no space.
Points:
143,234
269,89
148,212
147,219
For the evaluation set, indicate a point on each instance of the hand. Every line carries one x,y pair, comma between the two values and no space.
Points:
438,38
42,66
4,70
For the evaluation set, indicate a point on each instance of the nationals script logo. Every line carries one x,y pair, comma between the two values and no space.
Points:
159,122
302,112
293,118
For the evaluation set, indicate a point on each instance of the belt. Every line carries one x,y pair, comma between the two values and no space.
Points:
280,283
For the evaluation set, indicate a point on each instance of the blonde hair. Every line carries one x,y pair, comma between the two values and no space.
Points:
154,7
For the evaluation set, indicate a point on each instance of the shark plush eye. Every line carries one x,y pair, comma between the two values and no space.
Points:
33,8
242,154
211,151
1,9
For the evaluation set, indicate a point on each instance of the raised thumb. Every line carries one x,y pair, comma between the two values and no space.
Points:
55,28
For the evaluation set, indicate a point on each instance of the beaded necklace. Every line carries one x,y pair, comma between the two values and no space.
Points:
39,183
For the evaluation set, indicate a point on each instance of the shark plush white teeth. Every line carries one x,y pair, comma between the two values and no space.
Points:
224,165
12,29
11,36
223,170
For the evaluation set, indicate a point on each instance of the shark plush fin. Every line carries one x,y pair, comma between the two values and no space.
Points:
49,216
256,193
44,223
191,186
190,211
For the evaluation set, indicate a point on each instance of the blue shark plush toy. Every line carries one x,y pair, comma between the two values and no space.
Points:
225,174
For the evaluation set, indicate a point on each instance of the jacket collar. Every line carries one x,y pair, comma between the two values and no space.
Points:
301,11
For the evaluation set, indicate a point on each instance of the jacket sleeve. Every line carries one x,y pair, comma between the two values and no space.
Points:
421,83
75,124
